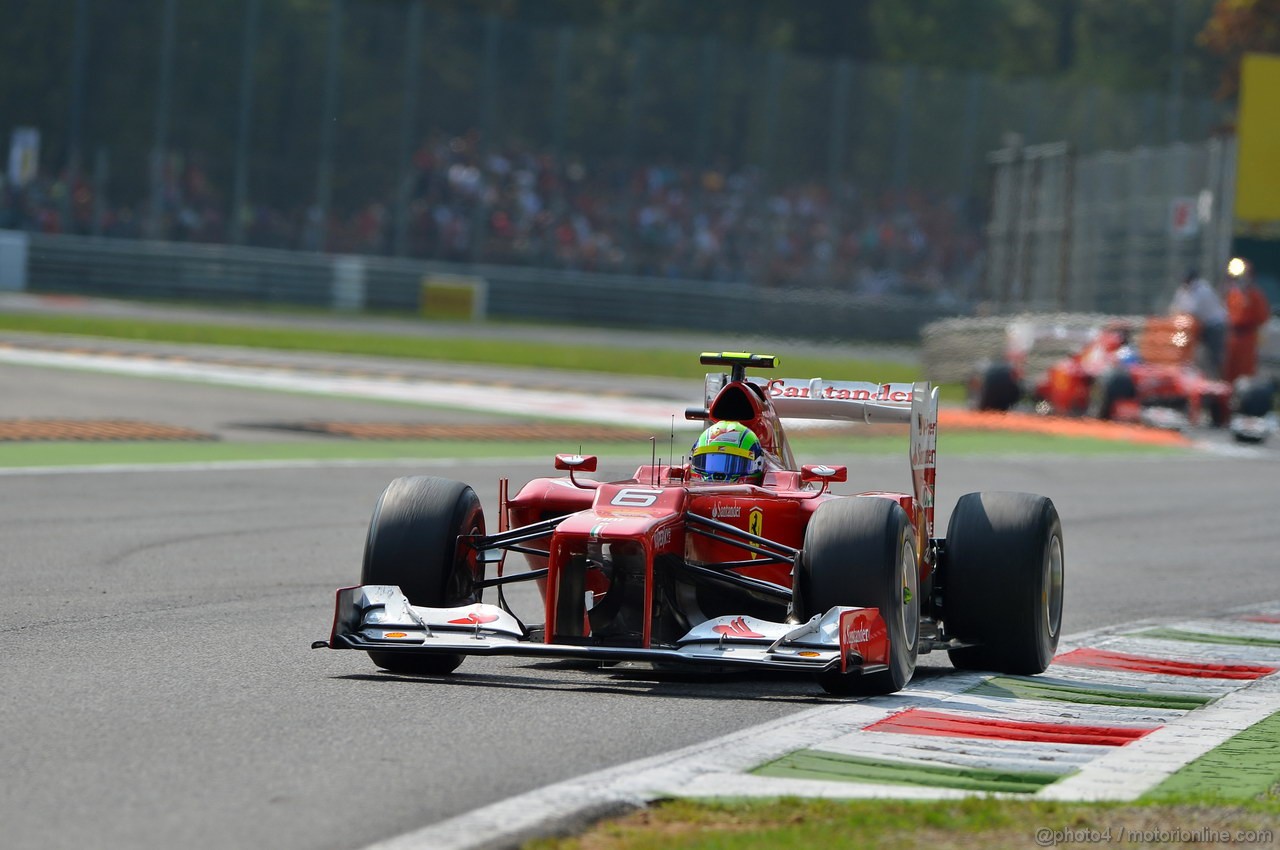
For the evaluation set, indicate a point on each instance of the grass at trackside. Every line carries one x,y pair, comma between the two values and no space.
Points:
844,450
794,824
596,358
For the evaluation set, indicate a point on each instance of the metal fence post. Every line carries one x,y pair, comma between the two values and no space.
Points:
408,118
902,153
968,161
769,125
706,100
1068,230
155,225
101,165
560,91
635,92
1173,114
318,236
240,192
839,119
79,57
489,83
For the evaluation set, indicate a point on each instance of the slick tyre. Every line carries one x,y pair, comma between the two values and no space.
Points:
412,543
860,552
1254,396
994,387
1109,388
1003,582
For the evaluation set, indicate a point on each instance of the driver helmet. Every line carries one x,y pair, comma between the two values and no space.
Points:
728,452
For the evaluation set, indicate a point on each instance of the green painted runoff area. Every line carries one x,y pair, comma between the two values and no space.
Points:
1019,687
815,764
1241,768
661,362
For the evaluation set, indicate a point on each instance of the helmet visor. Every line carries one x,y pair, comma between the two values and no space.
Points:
722,467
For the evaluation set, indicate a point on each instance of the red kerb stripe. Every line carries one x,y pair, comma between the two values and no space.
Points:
1142,664
1262,618
919,721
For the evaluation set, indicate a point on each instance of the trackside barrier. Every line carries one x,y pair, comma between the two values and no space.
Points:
13,260
120,268
952,347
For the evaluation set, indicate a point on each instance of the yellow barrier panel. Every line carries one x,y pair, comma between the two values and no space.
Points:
453,296
1258,130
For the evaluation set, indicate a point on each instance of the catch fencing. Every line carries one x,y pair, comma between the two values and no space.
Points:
423,130
1112,232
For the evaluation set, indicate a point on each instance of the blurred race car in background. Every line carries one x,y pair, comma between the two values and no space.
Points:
778,573
1130,370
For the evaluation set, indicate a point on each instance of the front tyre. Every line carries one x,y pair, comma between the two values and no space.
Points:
994,387
413,544
860,552
1003,582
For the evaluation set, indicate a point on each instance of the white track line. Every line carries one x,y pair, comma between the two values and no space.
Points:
558,404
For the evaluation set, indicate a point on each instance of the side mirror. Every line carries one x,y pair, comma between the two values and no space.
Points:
826,474
576,463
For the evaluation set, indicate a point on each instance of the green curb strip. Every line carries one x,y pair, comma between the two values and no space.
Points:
1011,687
1242,767
1200,637
813,764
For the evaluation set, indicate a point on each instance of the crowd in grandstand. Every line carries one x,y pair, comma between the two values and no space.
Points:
518,205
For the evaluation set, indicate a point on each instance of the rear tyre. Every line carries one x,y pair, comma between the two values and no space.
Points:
1003,582
994,387
860,552
1109,388
412,543
1254,396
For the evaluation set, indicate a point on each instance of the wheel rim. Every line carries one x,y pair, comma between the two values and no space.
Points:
909,581
1052,588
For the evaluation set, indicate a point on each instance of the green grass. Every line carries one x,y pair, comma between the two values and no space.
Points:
841,448
596,358
795,824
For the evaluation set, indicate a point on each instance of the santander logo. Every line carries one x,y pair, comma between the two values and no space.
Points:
474,619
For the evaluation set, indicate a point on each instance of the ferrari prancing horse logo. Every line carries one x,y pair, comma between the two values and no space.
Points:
755,524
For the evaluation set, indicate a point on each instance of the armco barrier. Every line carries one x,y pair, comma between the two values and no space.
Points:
119,268
952,348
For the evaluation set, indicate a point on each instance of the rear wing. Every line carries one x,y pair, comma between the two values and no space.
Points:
915,405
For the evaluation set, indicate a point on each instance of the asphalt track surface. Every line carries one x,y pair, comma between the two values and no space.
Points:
160,692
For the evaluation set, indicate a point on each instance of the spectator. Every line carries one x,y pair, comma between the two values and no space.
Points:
1247,311
1196,297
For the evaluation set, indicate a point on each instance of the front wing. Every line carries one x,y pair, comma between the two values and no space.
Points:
381,618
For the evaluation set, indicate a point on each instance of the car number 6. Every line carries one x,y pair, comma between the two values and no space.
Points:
635,498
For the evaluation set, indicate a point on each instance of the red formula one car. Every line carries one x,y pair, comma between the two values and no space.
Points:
673,567
1125,370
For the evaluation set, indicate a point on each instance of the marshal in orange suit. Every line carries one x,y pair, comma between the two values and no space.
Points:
1247,312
